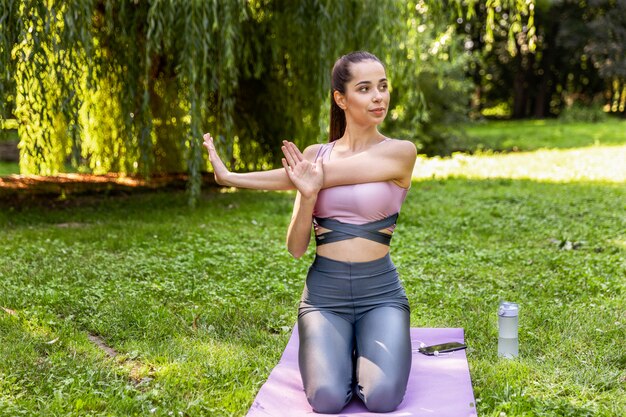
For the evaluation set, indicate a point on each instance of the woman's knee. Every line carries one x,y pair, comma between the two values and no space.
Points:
327,398
384,396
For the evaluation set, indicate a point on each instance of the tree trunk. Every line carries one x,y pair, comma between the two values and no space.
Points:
9,151
520,92
544,90
519,96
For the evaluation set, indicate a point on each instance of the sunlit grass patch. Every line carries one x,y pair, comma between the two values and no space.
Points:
620,242
594,163
529,135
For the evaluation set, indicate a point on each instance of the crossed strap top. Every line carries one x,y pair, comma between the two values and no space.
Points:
344,231
357,210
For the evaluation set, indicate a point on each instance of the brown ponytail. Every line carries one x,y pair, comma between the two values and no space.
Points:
340,77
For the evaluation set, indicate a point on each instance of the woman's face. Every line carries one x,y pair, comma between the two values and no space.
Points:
366,100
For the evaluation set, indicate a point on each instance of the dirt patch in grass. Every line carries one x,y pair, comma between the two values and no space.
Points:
18,190
138,372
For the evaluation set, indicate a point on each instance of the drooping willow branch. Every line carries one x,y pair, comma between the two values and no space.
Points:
130,86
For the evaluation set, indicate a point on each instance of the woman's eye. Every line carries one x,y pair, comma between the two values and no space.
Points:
383,87
363,89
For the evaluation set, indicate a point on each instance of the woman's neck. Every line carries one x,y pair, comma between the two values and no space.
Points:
357,139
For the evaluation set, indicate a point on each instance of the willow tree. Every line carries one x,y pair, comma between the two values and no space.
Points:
129,86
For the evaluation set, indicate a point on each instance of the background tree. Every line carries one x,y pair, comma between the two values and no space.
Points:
110,86
574,54
129,86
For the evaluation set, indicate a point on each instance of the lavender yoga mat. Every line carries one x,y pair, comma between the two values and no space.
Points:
439,386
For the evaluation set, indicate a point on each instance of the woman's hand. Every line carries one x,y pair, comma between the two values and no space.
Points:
219,169
306,176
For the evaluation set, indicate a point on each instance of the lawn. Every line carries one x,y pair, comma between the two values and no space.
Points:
140,305
530,135
8,168
8,133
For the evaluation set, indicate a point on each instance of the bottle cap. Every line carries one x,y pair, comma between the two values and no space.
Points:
508,309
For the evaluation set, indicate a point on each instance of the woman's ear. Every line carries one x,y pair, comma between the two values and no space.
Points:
340,99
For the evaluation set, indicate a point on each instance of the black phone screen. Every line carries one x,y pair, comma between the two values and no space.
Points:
442,348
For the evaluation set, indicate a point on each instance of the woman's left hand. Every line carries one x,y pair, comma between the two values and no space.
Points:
219,169
307,176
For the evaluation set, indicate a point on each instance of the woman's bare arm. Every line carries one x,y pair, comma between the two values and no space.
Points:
308,179
299,231
275,179
390,161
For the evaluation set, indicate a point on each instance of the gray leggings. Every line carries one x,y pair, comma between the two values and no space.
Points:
354,335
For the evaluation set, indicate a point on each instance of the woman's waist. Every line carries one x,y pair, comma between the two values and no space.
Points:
353,250
338,267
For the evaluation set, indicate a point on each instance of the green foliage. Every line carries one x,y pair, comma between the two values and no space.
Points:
131,86
10,28
8,130
430,88
582,113
566,50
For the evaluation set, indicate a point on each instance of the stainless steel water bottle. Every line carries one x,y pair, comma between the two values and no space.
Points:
508,346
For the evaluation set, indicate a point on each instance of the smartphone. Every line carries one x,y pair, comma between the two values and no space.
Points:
442,348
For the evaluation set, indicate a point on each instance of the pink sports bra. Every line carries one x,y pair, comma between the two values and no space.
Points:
358,204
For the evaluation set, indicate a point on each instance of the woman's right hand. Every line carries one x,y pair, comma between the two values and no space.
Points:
219,169
306,176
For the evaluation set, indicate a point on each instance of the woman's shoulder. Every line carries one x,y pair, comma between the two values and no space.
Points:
400,146
312,151
400,143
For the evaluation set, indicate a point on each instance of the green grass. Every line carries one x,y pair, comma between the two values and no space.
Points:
530,135
8,168
198,303
8,131
544,150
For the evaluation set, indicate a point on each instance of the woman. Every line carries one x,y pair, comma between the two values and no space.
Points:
353,317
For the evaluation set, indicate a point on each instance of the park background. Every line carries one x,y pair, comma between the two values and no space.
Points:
180,302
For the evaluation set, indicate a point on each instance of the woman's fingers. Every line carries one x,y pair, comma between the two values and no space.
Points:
296,151
213,156
207,139
291,159
293,151
210,146
219,169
